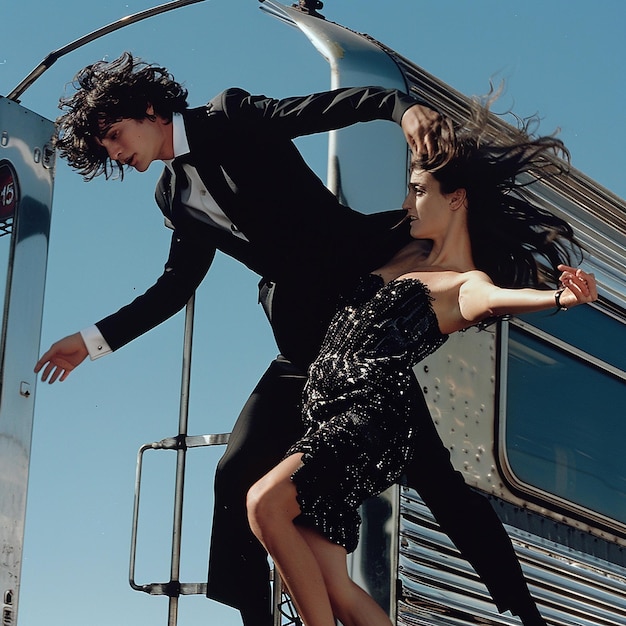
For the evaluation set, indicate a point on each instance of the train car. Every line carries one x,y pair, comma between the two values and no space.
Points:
550,462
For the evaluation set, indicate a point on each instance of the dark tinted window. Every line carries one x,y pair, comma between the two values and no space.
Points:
565,423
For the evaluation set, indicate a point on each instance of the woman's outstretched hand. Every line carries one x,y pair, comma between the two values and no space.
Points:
578,287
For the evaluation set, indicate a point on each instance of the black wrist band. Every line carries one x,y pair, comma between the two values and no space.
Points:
557,300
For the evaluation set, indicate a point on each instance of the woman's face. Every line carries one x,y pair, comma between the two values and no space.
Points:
427,207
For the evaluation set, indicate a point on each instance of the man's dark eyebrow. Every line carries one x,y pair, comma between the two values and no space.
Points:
103,127
100,132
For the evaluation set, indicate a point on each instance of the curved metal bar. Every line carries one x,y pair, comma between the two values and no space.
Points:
96,34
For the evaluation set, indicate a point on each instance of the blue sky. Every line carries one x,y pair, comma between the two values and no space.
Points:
560,58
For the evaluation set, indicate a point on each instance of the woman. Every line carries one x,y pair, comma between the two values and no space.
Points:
472,260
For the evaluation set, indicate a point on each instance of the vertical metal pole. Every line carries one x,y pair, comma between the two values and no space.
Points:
181,457
277,592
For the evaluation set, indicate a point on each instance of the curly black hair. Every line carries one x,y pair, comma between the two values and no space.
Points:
514,241
107,92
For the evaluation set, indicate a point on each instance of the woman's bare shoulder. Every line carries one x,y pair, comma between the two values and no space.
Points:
476,276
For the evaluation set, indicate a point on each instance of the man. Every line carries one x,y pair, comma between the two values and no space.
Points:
235,182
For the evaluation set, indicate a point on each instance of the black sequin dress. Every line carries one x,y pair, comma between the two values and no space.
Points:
358,403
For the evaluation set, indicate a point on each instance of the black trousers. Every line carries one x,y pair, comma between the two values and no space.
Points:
268,424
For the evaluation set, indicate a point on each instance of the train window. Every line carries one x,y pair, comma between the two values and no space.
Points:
564,425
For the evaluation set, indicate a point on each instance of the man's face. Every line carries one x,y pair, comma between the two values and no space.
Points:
139,142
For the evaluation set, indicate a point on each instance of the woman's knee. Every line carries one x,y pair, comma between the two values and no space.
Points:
271,504
263,507
255,503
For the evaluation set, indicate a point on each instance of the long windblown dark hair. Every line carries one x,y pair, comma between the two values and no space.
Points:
107,92
513,240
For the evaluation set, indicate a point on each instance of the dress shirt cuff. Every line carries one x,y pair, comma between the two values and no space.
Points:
95,342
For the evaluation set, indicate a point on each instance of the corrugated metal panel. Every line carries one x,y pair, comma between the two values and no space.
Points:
439,587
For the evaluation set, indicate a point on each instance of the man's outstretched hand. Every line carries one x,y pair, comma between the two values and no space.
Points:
62,357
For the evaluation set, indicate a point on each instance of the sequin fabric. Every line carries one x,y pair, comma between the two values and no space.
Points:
358,403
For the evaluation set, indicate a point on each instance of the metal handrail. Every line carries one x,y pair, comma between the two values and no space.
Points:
169,443
181,443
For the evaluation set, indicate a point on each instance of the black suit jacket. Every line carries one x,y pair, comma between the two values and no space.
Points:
299,236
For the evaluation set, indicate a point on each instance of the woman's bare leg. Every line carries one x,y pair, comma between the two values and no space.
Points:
312,568
272,507
351,604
